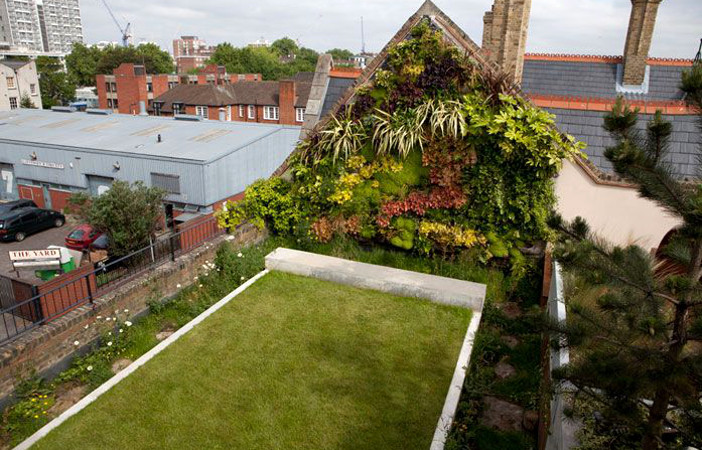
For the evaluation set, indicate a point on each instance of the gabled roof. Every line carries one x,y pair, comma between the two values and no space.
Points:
262,93
452,33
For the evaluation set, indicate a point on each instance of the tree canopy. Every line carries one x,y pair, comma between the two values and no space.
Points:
340,54
55,85
284,58
637,329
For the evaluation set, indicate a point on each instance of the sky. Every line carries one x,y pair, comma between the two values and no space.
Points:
596,27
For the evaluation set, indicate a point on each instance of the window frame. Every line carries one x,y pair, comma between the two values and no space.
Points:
202,111
271,113
252,112
11,83
299,114
242,111
14,104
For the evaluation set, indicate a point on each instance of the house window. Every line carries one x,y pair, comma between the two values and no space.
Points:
13,102
109,103
241,110
108,87
252,112
201,111
149,87
300,114
241,77
172,84
169,183
157,108
10,82
270,113
177,107
33,89
114,87
115,104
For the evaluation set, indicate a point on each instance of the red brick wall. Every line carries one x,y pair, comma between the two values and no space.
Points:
32,193
160,84
286,102
131,89
234,198
101,91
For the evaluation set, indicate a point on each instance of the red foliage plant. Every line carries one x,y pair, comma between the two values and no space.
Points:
419,202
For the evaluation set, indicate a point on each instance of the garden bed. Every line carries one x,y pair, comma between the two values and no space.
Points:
292,362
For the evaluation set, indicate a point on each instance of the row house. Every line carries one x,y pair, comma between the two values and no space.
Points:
277,102
130,90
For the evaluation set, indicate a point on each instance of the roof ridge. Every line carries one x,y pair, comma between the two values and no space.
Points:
575,57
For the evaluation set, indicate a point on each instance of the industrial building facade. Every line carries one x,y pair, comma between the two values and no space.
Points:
48,155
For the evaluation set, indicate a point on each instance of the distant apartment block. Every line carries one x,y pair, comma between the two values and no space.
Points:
130,90
274,102
18,79
40,25
191,52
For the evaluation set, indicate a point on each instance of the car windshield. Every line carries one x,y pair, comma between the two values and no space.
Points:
76,234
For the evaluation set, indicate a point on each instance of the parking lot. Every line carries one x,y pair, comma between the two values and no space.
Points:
38,241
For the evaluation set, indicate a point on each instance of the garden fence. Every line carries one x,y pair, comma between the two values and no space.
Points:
25,307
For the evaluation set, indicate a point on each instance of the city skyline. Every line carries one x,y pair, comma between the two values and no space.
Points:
553,26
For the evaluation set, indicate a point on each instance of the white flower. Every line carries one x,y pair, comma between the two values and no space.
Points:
89,368
99,317
115,319
206,273
178,286
242,278
128,323
107,319
109,344
240,255
76,343
86,327
116,311
109,333
126,310
200,285
121,330
204,266
195,279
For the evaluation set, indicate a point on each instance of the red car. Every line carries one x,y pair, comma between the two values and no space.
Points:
81,237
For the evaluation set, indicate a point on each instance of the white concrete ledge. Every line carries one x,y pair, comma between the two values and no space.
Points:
385,279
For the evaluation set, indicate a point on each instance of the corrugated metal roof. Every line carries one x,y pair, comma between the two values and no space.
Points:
122,133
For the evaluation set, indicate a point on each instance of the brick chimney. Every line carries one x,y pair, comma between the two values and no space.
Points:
286,101
638,40
505,32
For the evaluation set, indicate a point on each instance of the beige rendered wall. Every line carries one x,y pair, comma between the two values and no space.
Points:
615,213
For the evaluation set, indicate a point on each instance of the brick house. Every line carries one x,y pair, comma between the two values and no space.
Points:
281,102
130,86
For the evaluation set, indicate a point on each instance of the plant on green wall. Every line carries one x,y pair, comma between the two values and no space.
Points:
434,155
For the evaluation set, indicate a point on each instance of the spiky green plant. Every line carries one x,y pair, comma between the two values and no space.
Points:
341,138
400,132
445,118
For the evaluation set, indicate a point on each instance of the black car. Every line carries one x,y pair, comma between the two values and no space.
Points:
15,205
18,224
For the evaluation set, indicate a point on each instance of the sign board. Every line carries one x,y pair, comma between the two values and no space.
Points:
49,165
27,255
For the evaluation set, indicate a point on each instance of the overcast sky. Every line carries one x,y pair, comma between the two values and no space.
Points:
556,26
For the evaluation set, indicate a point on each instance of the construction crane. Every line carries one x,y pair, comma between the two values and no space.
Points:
126,31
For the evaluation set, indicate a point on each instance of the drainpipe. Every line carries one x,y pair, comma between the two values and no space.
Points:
142,108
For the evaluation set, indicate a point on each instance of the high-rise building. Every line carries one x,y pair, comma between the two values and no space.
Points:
191,52
40,25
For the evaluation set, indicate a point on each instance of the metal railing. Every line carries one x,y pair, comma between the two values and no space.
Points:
50,301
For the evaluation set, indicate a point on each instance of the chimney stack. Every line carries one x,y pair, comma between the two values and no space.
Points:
638,40
286,101
505,32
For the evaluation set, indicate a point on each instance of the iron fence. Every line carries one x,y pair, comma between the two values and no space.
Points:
44,303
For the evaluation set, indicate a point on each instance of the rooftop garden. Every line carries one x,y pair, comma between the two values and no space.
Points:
292,362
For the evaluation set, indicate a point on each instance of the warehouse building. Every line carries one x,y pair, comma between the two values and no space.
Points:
48,155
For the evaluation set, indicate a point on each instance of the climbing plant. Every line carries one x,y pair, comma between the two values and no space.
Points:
432,155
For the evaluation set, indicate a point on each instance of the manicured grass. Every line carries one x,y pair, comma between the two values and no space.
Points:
291,363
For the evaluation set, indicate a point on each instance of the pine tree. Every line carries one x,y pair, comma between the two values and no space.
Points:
637,340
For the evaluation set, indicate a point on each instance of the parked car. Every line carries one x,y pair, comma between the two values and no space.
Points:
81,237
20,223
15,205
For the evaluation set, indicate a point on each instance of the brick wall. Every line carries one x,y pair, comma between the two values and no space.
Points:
131,89
51,347
101,91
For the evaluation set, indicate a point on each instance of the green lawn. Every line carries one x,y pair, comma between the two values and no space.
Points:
292,363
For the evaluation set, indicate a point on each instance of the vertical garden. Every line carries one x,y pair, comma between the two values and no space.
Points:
433,155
